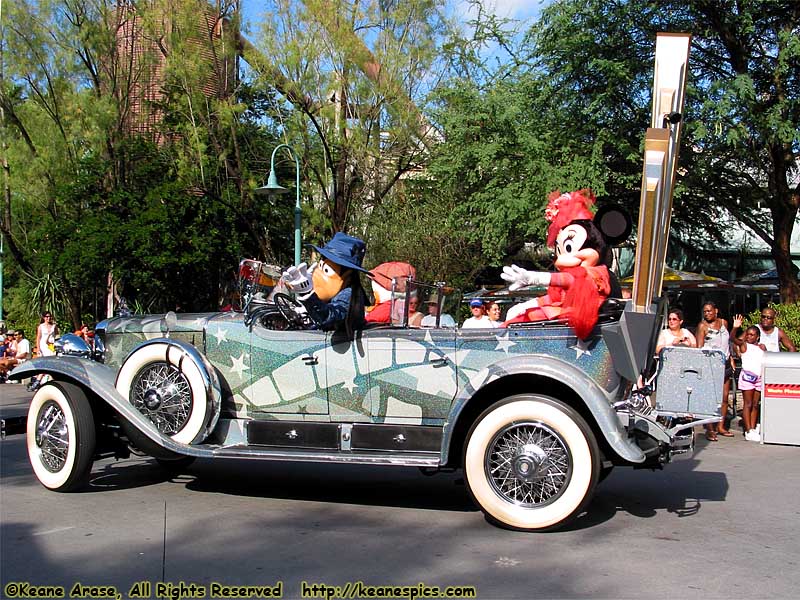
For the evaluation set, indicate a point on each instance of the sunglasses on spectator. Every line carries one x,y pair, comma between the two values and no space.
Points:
769,317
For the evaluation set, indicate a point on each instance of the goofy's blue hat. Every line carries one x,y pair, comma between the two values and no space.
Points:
345,251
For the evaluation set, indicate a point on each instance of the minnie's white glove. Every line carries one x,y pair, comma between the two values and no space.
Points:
518,277
299,280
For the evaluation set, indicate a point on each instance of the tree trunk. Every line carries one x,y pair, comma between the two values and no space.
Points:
784,216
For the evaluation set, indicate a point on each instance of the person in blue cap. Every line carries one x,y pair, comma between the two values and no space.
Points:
479,318
331,291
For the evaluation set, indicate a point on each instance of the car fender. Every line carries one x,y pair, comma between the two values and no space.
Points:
101,379
593,396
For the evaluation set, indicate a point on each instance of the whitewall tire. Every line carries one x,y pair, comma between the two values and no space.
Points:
61,436
531,463
166,385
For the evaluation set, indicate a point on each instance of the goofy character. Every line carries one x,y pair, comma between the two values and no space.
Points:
331,292
582,282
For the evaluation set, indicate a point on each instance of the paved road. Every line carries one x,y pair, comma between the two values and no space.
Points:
723,525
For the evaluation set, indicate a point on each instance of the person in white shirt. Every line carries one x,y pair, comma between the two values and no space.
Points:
675,334
429,320
479,318
772,337
22,353
750,384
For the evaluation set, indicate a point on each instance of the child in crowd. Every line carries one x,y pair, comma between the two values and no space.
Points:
750,383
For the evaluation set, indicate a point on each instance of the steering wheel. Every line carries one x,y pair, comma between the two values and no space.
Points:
288,308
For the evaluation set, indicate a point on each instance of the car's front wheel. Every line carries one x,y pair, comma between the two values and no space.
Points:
61,436
531,462
163,383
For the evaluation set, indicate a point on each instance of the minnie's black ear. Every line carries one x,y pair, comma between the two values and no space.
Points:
614,223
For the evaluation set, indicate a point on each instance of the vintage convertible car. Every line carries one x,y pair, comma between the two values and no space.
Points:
534,416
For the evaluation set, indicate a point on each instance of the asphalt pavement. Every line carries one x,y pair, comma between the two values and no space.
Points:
722,525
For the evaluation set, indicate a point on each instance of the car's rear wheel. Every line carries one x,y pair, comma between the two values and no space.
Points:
166,385
531,463
61,436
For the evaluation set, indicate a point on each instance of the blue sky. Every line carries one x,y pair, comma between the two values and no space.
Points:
515,9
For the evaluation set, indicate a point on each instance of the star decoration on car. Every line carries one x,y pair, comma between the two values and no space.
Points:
350,385
238,366
503,343
221,335
581,347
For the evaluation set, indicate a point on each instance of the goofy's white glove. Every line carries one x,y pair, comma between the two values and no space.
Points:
518,277
299,280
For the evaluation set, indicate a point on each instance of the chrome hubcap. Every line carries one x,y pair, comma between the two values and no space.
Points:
528,464
162,393
52,436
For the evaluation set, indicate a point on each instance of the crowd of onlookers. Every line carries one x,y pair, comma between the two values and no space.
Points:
15,348
749,345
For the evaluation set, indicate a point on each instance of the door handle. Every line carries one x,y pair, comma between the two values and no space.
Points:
311,360
439,362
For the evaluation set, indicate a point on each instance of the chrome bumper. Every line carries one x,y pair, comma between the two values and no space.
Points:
682,446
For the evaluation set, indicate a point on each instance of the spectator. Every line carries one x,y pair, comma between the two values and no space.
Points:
83,332
712,332
414,316
493,310
752,353
46,334
675,334
22,352
479,318
429,320
772,337
10,345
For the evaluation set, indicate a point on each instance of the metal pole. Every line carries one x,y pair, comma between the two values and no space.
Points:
297,209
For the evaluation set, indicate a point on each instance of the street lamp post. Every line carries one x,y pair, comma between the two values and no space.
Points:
273,187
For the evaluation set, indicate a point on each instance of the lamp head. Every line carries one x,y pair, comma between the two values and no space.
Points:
272,187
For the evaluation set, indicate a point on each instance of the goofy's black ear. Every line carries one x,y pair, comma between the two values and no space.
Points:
614,223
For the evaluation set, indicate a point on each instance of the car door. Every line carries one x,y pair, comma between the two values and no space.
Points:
287,372
412,374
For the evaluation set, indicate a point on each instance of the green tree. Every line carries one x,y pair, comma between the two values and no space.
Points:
170,212
356,73
740,142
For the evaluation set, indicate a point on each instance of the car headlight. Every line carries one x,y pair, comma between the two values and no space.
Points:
70,344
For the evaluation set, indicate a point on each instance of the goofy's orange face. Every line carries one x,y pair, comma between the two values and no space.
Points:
328,279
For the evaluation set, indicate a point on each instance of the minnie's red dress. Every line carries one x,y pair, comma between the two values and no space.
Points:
576,293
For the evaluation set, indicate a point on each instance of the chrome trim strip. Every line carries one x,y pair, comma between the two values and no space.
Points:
394,459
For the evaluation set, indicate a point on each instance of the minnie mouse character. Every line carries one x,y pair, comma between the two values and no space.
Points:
582,282
331,292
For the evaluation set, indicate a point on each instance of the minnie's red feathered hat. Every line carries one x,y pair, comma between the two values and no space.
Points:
564,208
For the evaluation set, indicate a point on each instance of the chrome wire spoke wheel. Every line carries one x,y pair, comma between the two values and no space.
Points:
170,384
60,436
52,436
163,394
531,462
528,464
